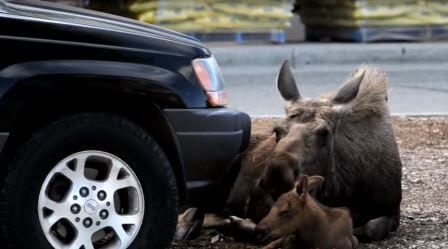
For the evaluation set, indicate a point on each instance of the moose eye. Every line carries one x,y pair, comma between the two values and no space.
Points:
284,213
303,115
293,115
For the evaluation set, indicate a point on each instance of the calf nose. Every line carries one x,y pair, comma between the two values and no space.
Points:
260,234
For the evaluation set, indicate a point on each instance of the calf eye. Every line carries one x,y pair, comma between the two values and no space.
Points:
284,213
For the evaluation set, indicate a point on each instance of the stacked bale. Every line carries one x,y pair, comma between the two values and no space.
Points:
383,19
77,3
214,15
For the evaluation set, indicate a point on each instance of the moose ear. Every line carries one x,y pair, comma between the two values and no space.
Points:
286,83
350,89
315,182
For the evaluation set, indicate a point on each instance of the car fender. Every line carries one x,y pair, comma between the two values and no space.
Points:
145,77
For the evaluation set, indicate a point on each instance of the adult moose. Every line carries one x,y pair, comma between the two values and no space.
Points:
346,137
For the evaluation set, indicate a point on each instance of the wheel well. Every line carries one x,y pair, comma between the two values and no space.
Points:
34,115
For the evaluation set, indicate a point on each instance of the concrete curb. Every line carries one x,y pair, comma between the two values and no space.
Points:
329,54
400,115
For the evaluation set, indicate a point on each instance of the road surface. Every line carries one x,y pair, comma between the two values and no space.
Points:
418,79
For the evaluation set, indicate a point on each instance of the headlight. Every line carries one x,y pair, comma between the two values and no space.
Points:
211,80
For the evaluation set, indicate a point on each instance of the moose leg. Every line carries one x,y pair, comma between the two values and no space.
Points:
244,225
275,244
212,220
378,228
232,225
189,224
236,203
354,242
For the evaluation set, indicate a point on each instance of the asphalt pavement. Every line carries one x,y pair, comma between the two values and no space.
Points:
418,73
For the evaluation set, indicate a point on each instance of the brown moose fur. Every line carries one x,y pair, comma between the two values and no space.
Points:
347,138
246,199
313,225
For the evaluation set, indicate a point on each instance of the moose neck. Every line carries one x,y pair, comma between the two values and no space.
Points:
326,161
314,222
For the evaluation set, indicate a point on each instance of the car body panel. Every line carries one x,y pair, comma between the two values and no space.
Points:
3,138
149,76
209,137
50,34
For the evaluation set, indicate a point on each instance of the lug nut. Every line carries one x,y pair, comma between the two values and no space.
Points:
75,208
101,195
104,214
84,191
87,222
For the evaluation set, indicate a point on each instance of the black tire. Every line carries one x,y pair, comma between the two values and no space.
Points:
19,221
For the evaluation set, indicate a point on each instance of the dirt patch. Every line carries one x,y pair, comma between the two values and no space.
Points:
424,223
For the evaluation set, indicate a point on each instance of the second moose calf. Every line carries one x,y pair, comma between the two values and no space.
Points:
297,220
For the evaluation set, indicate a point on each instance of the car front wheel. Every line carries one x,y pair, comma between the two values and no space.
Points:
89,181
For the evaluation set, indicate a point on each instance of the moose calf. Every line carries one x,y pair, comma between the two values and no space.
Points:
297,220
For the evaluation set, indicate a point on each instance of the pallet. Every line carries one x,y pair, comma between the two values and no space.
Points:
240,37
373,34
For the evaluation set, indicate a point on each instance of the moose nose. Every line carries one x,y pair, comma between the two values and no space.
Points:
260,234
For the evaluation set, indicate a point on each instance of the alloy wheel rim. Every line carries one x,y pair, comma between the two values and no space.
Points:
91,199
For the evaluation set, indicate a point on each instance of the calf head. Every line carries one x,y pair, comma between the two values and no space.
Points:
290,212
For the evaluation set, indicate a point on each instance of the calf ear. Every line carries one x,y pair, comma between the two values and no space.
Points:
286,83
315,182
302,185
350,89
302,189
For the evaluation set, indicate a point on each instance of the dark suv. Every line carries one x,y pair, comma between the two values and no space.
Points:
106,126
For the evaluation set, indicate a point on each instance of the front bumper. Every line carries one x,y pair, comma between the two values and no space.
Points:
209,140
3,138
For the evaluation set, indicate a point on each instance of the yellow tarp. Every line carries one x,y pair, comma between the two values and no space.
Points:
274,10
214,15
378,13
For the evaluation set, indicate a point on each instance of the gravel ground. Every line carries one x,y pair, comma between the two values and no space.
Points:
424,223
